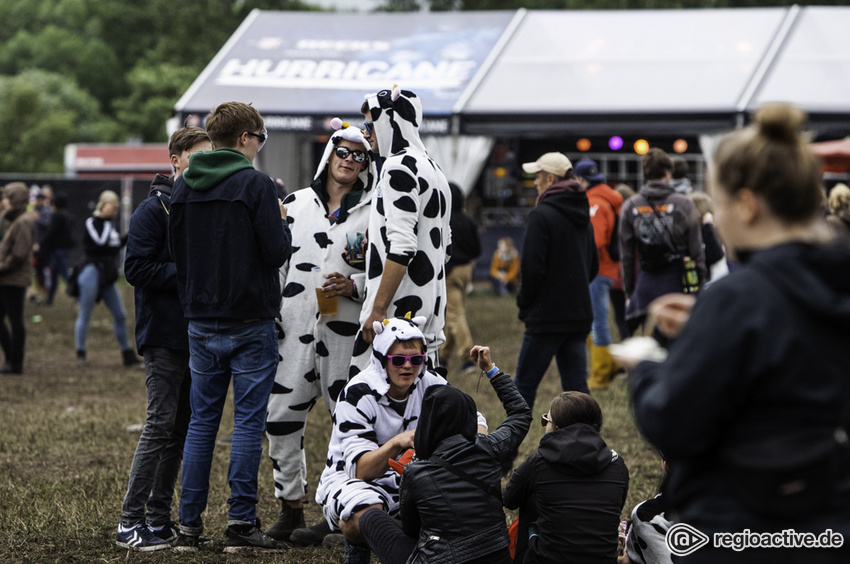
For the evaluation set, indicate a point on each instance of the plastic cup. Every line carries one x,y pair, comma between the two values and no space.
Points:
327,305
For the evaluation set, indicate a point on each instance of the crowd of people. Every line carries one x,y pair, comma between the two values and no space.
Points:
353,289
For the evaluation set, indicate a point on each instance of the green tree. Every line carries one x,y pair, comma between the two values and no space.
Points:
42,112
90,61
154,89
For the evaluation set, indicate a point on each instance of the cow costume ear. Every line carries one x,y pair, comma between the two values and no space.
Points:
378,326
419,320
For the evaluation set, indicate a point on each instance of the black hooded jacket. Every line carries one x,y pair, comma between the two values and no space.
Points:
574,488
469,522
559,260
760,371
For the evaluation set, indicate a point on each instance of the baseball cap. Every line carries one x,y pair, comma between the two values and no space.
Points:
553,163
589,170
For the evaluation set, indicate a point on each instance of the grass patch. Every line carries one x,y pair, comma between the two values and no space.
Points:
65,452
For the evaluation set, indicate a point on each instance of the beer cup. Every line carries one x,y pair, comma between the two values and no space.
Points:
327,305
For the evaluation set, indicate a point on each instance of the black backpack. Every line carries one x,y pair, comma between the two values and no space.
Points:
654,241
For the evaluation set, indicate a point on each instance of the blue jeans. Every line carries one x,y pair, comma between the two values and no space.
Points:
156,463
220,349
599,302
59,266
535,354
89,281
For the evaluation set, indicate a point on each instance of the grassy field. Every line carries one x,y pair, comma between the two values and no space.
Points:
65,450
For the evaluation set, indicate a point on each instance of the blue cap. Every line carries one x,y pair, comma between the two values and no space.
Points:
589,170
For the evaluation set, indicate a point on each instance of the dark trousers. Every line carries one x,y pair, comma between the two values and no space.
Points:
59,268
535,355
159,453
385,537
618,302
13,337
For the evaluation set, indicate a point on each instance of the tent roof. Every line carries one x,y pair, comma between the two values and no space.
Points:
308,63
539,72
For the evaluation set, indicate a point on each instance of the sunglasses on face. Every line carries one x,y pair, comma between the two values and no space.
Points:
544,419
261,137
343,152
398,360
367,127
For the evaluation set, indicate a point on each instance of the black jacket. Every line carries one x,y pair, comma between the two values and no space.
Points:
227,238
574,488
60,234
102,244
760,371
149,268
559,260
436,502
466,244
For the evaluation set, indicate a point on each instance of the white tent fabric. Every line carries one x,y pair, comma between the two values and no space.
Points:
462,157
617,60
813,68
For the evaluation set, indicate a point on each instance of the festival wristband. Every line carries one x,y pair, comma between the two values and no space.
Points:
492,372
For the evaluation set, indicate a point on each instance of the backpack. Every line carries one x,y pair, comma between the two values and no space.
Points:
614,242
654,241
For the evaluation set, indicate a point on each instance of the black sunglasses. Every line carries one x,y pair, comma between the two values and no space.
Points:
343,152
367,127
544,419
261,137
398,360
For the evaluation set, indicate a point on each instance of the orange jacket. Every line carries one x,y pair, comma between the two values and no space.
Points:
511,268
604,202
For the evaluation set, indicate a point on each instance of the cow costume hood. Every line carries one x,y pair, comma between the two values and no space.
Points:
396,117
345,131
388,332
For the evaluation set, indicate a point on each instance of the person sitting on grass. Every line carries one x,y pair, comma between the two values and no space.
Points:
451,504
570,493
375,418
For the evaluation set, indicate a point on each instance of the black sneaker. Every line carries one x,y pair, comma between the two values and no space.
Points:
186,543
241,537
139,537
311,536
167,532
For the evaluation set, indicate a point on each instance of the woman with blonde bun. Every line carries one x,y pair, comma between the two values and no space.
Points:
752,405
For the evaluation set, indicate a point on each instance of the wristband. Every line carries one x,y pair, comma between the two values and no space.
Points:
492,372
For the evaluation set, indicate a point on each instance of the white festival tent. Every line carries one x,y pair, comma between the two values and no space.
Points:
528,75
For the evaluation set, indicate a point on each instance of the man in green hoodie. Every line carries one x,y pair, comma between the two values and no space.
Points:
229,237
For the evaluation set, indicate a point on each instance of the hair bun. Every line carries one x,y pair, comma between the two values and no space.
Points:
780,122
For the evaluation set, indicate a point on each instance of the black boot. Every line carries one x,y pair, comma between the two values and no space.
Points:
81,358
130,358
288,520
12,368
311,536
